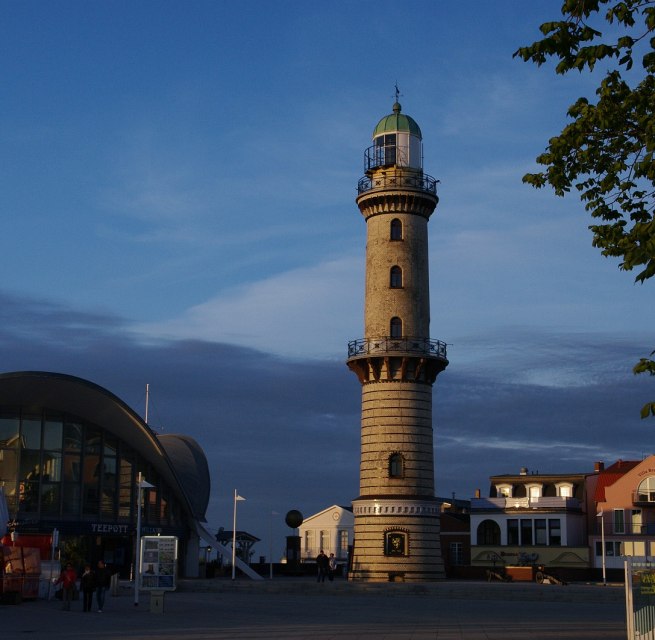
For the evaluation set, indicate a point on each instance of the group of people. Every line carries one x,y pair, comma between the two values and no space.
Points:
326,566
91,582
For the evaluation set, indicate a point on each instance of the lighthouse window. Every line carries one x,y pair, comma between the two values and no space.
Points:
396,466
385,151
396,279
396,229
396,327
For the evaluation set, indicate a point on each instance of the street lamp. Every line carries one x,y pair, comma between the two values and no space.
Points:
237,497
270,559
140,484
602,543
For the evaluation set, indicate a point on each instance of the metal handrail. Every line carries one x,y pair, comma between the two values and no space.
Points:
405,345
398,180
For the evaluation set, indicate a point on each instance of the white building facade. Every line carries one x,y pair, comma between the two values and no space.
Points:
330,530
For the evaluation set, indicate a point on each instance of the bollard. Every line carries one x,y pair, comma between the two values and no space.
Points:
113,585
157,602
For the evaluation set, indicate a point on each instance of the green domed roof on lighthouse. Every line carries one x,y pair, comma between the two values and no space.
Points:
397,121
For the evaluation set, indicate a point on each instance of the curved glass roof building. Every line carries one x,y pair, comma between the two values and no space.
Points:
70,454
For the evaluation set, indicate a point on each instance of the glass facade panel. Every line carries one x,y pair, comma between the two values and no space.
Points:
11,495
30,432
92,440
72,499
30,466
50,498
110,445
9,424
125,489
151,511
8,464
526,532
53,429
73,436
72,467
51,466
28,497
108,480
163,511
91,484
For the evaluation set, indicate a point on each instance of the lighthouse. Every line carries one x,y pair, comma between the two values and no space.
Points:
397,517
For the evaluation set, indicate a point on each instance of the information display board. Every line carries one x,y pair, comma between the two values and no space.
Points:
158,562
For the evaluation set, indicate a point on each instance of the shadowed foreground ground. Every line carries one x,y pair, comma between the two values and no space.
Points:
301,608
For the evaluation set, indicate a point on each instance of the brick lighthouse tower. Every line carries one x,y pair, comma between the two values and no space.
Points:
397,518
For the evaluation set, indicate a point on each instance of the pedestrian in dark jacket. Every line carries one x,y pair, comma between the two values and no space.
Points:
88,586
322,565
103,580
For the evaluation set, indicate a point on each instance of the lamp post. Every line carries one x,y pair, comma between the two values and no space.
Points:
270,549
602,543
140,485
237,497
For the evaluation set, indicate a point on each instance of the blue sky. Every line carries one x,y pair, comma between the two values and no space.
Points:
177,185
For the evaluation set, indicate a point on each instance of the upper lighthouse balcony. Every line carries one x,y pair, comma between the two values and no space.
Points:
398,180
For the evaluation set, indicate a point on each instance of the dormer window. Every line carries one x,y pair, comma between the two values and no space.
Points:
535,491
504,490
564,489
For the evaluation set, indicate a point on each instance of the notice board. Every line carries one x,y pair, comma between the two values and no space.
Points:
158,562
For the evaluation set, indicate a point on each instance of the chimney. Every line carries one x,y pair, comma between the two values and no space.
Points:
477,493
599,466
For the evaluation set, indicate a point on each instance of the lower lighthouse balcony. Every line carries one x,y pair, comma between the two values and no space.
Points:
406,358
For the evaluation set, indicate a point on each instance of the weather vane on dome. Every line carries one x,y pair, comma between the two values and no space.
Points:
398,94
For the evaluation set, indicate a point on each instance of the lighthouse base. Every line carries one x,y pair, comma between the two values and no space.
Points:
395,547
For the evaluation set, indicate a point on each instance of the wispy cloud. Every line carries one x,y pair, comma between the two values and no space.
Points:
301,313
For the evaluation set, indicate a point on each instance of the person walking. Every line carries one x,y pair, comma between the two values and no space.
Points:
88,586
322,566
67,579
103,580
332,567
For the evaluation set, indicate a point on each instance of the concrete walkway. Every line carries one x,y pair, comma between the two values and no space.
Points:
301,608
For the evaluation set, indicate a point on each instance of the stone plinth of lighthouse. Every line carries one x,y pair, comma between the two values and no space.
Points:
397,518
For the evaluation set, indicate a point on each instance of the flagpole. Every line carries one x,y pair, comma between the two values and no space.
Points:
270,559
234,535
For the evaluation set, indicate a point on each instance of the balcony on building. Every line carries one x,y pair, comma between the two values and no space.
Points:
559,503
